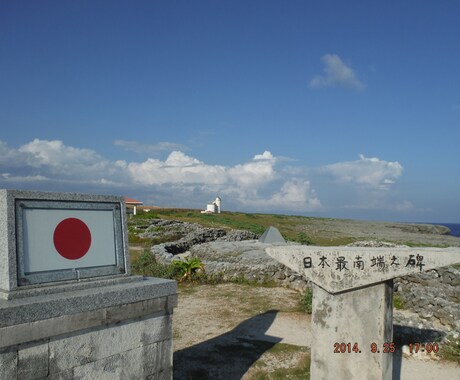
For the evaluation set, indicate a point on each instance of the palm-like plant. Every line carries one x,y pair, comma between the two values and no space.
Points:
186,268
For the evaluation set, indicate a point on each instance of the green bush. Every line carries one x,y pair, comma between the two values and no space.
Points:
185,269
398,302
147,265
303,238
450,348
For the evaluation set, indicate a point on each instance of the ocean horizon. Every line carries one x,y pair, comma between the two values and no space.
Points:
454,228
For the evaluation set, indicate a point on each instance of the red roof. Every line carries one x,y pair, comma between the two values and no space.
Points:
131,201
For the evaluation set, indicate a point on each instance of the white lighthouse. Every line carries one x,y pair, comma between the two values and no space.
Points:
213,207
217,202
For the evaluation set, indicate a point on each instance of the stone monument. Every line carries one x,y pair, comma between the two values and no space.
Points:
69,307
352,318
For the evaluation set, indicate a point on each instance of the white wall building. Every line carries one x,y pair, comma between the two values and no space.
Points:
213,207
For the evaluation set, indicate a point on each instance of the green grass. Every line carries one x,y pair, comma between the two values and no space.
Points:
301,229
145,264
450,349
307,300
293,228
398,303
300,371
421,245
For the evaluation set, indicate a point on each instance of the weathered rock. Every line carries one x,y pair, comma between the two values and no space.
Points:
232,254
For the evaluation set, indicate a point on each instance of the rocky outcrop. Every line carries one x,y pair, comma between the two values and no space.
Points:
433,297
186,235
423,229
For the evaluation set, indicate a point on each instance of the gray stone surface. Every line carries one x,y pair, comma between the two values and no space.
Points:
361,316
8,269
8,363
337,269
433,295
33,361
127,340
79,349
136,349
26,310
352,302
24,320
139,363
272,236
9,237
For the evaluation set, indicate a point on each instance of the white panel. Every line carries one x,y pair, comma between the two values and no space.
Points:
40,253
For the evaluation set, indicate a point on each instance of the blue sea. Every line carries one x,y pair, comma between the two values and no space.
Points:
454,228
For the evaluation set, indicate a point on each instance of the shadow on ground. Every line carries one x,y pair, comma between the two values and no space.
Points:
227,356
403,335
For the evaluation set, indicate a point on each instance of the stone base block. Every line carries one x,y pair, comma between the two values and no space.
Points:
125,341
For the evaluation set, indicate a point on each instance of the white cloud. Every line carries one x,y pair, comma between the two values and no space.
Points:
371,173
250,175
294,195
179,179
336,72
178,168
262,183
264,156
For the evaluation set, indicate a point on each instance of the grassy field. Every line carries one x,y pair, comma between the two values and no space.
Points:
301,229
306,230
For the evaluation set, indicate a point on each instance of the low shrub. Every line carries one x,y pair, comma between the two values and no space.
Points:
398,302
186,268
147,265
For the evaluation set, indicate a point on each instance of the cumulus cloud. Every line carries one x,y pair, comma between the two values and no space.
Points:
69,168
336,73
294,195
372,172
178,168
261,183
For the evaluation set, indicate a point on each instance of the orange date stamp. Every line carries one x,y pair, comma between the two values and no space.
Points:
385,348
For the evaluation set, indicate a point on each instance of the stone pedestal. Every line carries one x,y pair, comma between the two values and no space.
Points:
344,327
108,329
352,303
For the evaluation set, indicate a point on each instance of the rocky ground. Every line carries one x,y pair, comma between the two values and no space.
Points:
234,332
426,234
432,299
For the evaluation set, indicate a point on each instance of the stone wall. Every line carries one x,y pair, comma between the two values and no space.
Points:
132,350
120,330
433,295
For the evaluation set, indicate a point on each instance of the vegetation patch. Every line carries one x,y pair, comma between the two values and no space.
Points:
293,362
398,302
146,265
450,348
307,301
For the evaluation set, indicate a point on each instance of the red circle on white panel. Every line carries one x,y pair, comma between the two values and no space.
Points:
72,238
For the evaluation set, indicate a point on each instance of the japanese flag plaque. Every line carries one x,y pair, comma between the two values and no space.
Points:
65,285
61,236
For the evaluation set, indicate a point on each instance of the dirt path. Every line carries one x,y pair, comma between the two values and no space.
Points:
242,332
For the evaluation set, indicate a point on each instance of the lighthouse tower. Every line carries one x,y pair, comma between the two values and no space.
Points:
217,202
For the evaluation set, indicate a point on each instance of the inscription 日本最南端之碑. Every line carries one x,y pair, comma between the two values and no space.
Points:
341,268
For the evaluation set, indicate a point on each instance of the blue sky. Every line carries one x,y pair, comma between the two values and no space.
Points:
331,108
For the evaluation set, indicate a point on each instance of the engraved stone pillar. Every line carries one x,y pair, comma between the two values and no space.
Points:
352,315
345,325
